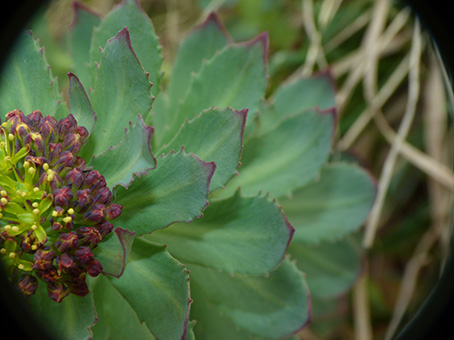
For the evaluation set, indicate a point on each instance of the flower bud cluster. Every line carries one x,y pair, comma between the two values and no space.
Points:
53,210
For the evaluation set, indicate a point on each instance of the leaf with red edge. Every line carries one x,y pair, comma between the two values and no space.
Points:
235,77
79,104
131,157
244,307
222,142
156,286
176,191
122,91
247,235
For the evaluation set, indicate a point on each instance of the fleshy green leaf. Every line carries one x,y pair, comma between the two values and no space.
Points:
237,235
70,319
121,92
26,82
222,142
117,319
201,44
156,286
285,158
113,253
335,205
143,38
79,104
235,77
176,191
80,34
131,157
246,307
298,95
330,267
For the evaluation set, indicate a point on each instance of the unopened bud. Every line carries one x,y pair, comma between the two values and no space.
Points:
113,211
28,284
67,241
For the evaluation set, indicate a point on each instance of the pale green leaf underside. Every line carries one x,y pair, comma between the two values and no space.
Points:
286,157
246,307
131,157
215,135
330,267
333,206
117,320
69,320
156,286
235,77
143,38
237,235
122,91
176,191
26,82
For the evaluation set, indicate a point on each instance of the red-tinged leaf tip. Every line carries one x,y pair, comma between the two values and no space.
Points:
263,39
122,35
125,37
327,73
79,7
213,19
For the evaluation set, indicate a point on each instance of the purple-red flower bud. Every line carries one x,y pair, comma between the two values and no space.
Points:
63,197
66,160
92,178
57,291
89,236
54,151
43,259
83,200
67,241
105,228
75,177
48,128
72,143
113,211
34,119
94,268
67,125
28,284
96,214
66,262
103,196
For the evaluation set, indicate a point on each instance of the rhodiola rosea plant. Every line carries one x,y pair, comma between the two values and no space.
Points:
159,212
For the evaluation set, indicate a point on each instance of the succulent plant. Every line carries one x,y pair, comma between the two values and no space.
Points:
203,182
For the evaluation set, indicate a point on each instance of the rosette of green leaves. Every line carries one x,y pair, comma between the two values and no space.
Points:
154,286
241,283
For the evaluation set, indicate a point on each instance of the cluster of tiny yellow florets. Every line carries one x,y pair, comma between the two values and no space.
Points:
53,211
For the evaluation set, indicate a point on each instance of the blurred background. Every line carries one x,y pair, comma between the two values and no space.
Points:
395,116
